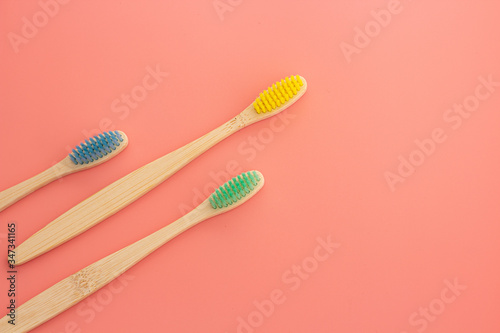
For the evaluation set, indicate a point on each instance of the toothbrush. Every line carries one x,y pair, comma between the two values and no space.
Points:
93,152
83,283
131,187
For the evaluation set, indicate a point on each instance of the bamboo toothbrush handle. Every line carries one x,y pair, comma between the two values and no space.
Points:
11,195
120,194
83,283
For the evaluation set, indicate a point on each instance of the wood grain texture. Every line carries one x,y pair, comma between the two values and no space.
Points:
131,187
15,193
85,282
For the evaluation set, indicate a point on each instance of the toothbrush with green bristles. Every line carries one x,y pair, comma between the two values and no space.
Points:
83,283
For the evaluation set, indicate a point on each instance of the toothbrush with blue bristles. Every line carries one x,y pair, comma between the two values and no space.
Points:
88,154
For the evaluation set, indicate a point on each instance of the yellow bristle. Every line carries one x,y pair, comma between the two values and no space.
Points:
273,95
269,99
291,85
268,107
266,96
256,106
283,91
262,107
278,93
299,80
295,83
286,89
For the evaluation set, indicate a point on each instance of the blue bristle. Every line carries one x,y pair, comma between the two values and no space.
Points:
119,136
73,159
98,153
111,139
104,144
96,147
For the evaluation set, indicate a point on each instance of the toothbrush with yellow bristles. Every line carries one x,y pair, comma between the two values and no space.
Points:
83,283
131,187
94,151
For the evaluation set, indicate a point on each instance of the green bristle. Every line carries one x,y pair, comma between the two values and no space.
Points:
234,190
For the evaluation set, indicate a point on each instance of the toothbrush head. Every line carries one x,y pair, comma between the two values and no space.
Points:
280,95
98,148
236,191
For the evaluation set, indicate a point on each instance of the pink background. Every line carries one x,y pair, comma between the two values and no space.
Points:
325,167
